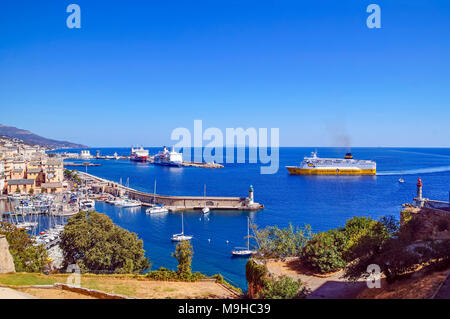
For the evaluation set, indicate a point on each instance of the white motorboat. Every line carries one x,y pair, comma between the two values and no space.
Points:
181,236
159,209
87,205
244,251
125,202
205,209
401,180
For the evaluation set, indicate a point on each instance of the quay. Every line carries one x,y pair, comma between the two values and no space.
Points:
80,164
173,203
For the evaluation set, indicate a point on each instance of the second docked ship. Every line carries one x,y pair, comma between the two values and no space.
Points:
314,165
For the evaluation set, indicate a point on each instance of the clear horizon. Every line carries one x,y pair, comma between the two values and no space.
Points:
136,71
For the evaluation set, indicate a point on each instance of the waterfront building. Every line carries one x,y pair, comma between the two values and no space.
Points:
2,178
85,154
20,185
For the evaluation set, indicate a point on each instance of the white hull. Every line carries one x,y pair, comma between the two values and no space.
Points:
180,237
157,210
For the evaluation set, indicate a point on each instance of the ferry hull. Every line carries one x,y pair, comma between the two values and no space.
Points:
138,158
344,171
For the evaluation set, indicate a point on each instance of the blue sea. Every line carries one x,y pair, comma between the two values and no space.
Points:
324,202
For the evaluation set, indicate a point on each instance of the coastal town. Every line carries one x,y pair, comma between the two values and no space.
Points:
28,169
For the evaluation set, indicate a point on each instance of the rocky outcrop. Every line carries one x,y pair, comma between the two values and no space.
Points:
6,260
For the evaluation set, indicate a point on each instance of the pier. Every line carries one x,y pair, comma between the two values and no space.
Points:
173,203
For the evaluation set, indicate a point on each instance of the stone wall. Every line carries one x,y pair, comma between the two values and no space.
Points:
6,260
434,224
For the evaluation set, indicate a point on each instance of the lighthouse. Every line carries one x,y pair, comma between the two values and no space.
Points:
250,194
419,199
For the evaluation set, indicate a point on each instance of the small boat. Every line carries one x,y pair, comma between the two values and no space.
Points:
158,209
205,210
87,205
401,180
244,251
181,236
127,203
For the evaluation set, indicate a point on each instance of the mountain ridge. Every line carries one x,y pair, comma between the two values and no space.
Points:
34,139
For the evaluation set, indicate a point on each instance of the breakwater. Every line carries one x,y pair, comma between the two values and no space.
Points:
173,203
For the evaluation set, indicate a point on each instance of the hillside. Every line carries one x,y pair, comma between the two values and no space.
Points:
33,139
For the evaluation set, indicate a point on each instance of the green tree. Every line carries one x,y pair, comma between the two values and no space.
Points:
183,253
27,257
95,244
31,191
323,253
283,288
282,242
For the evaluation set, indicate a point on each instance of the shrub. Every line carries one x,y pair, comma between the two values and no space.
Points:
167,275
282,242
26,256
322,253
443,224
283,288
255,273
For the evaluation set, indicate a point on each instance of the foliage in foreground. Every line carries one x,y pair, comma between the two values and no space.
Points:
93,242
283,288
183,253
323,254
26,256
398,256
278,242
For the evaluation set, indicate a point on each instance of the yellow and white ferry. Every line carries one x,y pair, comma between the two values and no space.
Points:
314,165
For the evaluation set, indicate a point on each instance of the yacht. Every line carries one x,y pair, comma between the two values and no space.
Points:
87,204
244,251
205,209
126,203
181,236
158,209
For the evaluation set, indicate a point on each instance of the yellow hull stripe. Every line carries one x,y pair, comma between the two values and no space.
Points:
304,171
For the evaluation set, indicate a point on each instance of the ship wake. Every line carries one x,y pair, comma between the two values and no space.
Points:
429,170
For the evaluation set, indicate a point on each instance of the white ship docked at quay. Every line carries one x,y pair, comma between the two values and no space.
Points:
139,154
313,165
168,158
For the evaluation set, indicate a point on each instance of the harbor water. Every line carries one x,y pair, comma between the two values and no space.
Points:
324,202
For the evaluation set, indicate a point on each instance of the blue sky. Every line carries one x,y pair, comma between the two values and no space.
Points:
138,69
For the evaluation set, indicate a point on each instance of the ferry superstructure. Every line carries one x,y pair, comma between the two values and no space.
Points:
138,154
313,165
168,158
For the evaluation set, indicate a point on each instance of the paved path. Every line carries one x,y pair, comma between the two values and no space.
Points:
444,291
8,293
331,287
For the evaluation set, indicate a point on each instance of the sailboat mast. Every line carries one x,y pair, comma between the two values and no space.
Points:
248,233
182,224
204,193
154,194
